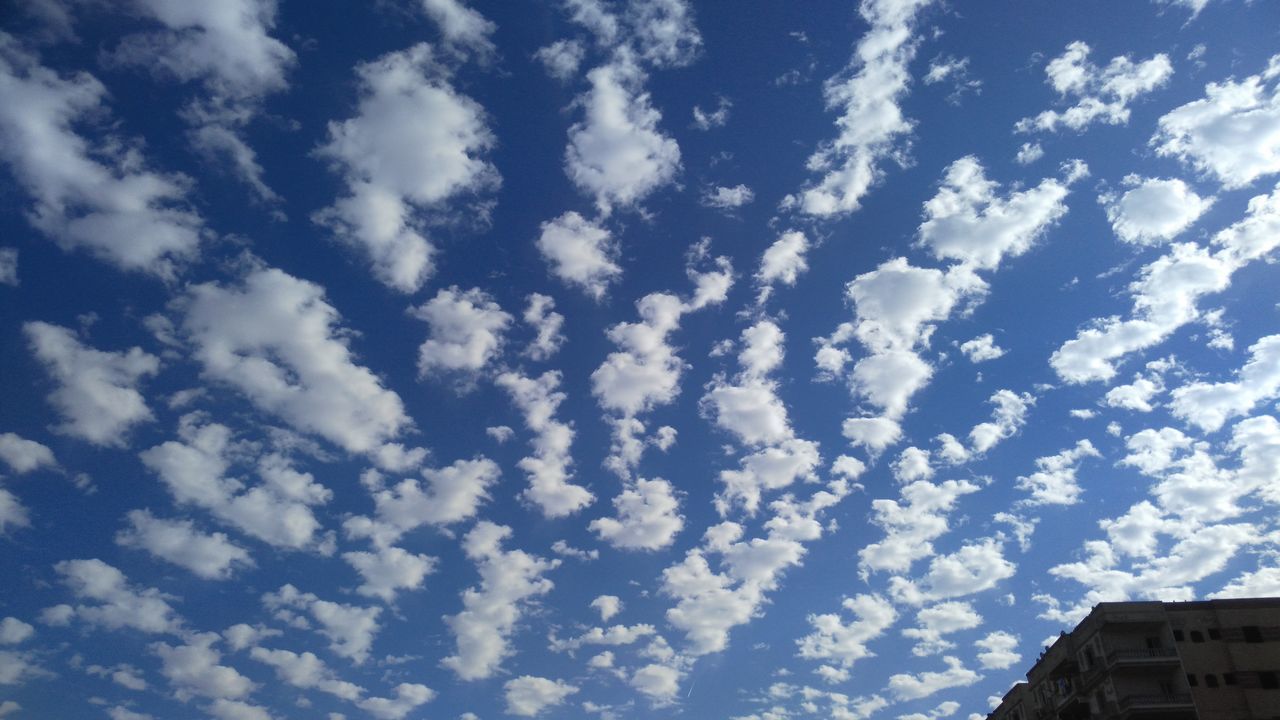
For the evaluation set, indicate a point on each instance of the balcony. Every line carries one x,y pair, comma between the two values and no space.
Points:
1167,705
1143,656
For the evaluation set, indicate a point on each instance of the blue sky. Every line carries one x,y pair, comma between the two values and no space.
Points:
588,359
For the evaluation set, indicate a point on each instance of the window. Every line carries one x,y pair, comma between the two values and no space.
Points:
1268,681
1252,634
1197,636
1228,678
1153,643
1177,636
1215,634
1211,680
1192,681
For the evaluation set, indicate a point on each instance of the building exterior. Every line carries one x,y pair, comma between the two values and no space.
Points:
1212,659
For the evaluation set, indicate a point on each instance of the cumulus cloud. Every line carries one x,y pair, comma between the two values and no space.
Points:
580,253
975,567
350,629
9,266
607,606
462,27
1231,134
541,315
408,696
967,220
549,468
388,570
871,127
1209,405
648,517
561,58
616,153
1099,94
194,670
195,469
658,682
911,524
1008,417
528,696
913,687
844,643
999,650
727,198
111,602
1054,482
981,349
399,169
1167,291
209,555
23,455
96,196
710,119
509,581
664,32
97,394
274,338
450,495
306,671
783,262
938,621
465,331
1154,210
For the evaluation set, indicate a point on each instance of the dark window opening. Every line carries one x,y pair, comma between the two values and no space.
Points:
1192,681
1197,636
1268,681
1177,636
1252,634
1211,680
1153,643
1229,678
1215,634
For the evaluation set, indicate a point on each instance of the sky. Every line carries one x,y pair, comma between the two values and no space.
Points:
605,359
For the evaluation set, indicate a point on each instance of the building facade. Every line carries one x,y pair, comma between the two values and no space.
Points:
1212,659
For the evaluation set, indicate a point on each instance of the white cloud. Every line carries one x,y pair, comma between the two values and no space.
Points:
1100,94
210,556
1167,291
466,331
1007,419
399,168
1209,405
1028,153
1232,134
115,604
710,119
1138,394
195,468
914,687
664,33
541,315
23,455
12,512
727,198
549,468
648,517
452,494
1054,482
97,393
975,567
9,266
461,26
580,253
1154,210
616,153
528,696
871,125
509,581
783,261
659,683
938,621
275,339
306,671
561,58
911,524
193,670
408,696
1263,582
349,629
388,570
834,640
1000,650
13,631
607,606
981,349
97,196
967,221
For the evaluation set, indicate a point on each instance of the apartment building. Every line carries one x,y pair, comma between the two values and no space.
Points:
1212,659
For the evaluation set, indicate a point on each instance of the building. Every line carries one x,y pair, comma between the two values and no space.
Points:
1212,659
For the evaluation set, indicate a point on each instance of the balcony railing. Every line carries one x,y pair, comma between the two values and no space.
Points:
1161,700
1142,654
